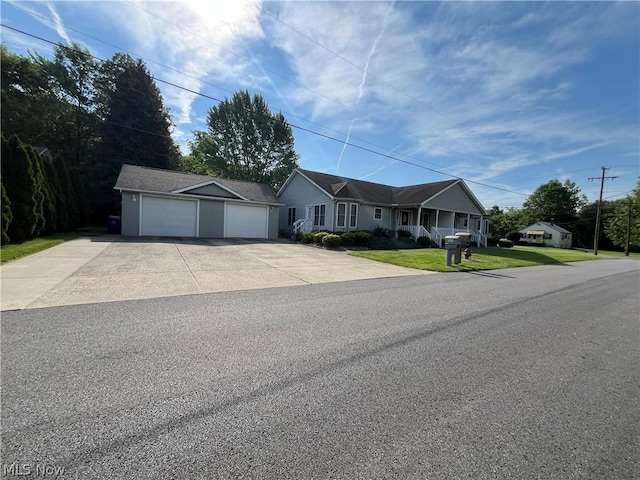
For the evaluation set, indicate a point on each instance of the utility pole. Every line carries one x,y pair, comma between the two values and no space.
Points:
599,210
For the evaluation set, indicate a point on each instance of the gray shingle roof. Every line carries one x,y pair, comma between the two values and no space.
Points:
342,187
133,177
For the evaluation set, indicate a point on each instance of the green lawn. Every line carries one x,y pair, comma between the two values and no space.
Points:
12,251
434,259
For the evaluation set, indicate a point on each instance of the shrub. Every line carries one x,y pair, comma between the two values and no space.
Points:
363,238
424,242
297,236
331,240
514,236
404,234
308,237
492,241
318,236
381,232
348,239
505,243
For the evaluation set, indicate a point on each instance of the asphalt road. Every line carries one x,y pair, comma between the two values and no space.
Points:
520,373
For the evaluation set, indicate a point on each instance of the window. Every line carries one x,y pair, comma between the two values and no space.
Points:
547,236
291,217
377,213
318,215
341,218
353,217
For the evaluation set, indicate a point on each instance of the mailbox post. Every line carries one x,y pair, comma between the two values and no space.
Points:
452,244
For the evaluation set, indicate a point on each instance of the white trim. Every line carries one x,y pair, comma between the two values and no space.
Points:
308,180
467,190
193,197
351,205
374,213
212,182
338,214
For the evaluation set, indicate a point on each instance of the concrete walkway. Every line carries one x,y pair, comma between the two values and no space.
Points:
111,268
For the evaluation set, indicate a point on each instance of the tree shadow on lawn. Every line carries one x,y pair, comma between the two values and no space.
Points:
523,255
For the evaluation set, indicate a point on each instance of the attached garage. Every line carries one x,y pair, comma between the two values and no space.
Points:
246,221
168,217
166,203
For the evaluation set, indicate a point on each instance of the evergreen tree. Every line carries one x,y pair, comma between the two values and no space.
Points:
44,211
57,196
20,184
62,171
245,141
136,130
7,215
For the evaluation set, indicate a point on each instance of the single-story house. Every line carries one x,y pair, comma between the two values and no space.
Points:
549,233
319,201
167,203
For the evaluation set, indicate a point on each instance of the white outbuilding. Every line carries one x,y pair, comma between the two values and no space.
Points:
552,235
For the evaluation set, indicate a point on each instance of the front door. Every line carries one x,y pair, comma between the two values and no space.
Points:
425,220
405,217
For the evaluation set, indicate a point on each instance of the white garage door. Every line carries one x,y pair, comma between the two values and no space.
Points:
246,221
169,217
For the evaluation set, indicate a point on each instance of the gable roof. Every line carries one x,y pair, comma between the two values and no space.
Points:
548,225
148,179
349,188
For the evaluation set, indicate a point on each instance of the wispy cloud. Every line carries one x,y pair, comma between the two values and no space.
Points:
59,26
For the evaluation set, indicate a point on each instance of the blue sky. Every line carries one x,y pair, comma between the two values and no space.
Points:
506,94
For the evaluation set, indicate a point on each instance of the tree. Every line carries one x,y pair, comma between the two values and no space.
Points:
136,129
555,202
20,184
7,215
616,221
245,141
505,222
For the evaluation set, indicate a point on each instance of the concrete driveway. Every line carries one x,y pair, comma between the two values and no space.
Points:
111,268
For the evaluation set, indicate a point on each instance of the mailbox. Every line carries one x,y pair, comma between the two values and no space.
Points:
452,244
465,239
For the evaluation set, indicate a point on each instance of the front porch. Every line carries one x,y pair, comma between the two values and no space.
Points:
437,224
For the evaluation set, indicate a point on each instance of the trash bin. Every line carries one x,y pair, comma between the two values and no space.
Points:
114,225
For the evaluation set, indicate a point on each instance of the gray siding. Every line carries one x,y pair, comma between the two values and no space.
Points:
211,219
130,216
367,222
211,191
455,198
273,222
299,193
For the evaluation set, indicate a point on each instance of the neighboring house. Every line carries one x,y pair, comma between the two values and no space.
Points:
550,234
319,201
166,203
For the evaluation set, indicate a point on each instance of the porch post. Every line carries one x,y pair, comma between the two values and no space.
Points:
437,217
453,222
419,221
481,225
468,221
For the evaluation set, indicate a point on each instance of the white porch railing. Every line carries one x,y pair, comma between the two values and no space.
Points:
302,225
437,234
415,230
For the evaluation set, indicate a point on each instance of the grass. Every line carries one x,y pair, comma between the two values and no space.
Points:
434,259
13,251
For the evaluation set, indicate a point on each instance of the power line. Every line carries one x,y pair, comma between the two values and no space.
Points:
322,135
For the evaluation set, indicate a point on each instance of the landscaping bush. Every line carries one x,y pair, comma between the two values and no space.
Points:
424,242
514,236
308,237
362,238
404,234
505,243
331,240
318,236
348,239
381,232
297,236
492,241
